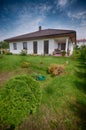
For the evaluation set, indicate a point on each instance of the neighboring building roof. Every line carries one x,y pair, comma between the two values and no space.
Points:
47,33
81,40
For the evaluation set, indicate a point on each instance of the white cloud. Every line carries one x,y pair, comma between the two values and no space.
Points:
77,15
24,25
31,17
27,21
80,29
81,32
62,3
43,8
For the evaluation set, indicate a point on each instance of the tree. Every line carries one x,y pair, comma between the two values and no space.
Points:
4,44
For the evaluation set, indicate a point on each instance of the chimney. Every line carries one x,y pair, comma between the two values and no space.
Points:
40,28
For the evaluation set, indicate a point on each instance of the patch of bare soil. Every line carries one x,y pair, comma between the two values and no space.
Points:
4,76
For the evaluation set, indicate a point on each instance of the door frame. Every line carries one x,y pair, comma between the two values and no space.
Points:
46,47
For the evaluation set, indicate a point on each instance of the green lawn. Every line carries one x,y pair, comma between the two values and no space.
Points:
63,105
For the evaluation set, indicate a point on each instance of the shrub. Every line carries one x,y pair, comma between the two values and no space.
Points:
76,52
23,53
25,64
19,97
55,69
81,69
8,53
63,52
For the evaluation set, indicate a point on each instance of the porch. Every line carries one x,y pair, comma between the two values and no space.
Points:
63,45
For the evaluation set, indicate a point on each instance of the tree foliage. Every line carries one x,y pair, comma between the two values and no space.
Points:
81,68
4,44
19,97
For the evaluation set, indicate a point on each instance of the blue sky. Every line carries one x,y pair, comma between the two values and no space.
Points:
23,16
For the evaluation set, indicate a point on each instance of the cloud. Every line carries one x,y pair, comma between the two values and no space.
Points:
62,3
28,20
43,8
77,15
73,1
81,32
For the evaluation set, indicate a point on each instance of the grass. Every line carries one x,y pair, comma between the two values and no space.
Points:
63,104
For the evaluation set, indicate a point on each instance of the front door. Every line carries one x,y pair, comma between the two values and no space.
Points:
35,47
63,46
46,47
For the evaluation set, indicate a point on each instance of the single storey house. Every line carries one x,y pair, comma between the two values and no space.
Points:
48,41
81,42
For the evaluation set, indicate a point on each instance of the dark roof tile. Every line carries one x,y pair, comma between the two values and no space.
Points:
40,34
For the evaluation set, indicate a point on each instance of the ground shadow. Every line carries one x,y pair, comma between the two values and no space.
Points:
79,110
80,73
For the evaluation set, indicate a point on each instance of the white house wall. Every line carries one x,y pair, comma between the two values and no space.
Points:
30,47
19,48
71,47
40,47
53,44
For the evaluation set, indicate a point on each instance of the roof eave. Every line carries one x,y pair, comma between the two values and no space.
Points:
42,37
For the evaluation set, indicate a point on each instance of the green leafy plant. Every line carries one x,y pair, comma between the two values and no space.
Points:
18,98
81,69
23,53
76,52
63,53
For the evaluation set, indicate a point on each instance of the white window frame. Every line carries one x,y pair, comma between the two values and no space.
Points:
14,46
24,45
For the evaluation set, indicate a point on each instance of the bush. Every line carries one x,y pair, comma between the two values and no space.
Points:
63,53
76,52
8,53
55,69
23,53
81,69
19,97
25,64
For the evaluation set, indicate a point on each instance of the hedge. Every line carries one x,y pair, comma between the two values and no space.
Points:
19,98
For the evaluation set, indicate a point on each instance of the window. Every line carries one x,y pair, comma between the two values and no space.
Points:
63,46
14,46
25,45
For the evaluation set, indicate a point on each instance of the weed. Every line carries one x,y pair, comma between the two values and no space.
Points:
56,69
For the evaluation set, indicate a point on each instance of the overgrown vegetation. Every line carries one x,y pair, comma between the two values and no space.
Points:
19,97
23,53
56,69
80,83
25,64
81,68
63,103
4,44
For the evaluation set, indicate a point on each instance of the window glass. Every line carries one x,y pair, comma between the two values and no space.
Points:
25,45
14,46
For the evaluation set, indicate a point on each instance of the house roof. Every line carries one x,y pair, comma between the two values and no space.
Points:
47,33
81,40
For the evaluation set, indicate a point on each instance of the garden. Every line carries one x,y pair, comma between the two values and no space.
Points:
57,102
